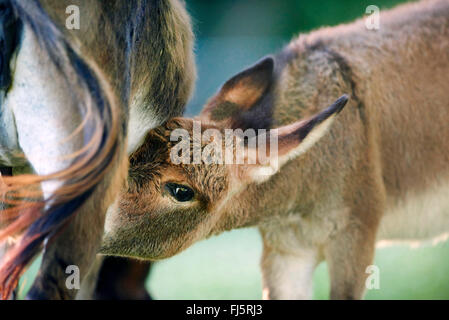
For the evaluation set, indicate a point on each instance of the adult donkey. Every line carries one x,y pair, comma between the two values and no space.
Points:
74,102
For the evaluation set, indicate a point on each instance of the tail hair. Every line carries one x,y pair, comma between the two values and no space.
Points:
36,220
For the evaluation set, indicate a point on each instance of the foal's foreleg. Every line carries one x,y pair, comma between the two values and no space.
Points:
288,275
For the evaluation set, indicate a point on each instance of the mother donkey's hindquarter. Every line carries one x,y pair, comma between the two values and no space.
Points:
379,172
134,56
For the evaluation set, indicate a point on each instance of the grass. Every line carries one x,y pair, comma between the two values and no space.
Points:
227,267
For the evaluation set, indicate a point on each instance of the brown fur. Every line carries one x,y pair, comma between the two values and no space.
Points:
388,144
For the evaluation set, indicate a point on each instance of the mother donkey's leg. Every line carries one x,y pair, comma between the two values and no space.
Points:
77,245
4,246
118,279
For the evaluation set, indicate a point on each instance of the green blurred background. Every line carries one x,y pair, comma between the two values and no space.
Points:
232,34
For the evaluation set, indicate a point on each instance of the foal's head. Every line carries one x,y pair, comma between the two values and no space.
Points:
184,179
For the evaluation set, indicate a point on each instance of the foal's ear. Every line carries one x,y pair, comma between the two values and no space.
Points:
298,137
295,139
241,92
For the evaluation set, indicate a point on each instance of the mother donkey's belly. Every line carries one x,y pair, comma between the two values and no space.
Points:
423,216
40,112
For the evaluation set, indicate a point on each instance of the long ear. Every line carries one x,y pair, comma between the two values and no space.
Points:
295,139
241,93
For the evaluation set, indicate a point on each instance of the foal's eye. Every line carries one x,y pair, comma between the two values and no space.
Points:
179,192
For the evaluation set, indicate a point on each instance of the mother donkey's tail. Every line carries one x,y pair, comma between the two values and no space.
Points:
28,216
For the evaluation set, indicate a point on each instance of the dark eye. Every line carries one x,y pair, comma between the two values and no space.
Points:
179,192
